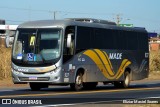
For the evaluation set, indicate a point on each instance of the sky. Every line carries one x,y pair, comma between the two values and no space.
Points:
140,13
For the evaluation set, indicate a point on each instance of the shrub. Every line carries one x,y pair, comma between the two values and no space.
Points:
154,61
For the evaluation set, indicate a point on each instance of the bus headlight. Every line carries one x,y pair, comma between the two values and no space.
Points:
55,70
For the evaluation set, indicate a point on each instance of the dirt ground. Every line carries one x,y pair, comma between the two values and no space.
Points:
155,75
7,83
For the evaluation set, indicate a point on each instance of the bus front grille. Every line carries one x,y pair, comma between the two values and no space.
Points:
34,79
33,73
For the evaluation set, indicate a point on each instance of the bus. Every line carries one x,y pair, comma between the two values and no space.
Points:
79,53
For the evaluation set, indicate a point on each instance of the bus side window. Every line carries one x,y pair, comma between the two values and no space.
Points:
70,43
132,40
142,38
68,51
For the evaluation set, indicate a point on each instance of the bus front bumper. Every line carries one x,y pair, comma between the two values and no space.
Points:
47,77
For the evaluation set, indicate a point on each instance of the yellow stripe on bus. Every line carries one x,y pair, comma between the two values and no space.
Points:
98,62
122,69
105,64
46,69
108,60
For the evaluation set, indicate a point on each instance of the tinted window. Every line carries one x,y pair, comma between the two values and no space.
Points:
83,37
132,40
120,39
99,39
143,41
110,39
104,39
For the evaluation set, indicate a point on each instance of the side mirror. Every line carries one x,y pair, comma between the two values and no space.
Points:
7,41
69,40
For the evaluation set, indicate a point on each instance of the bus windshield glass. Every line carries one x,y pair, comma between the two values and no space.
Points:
37,45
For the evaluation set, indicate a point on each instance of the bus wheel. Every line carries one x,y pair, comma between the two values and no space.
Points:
78,85
126,82
35,86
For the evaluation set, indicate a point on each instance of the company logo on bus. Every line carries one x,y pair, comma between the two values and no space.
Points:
102,60
23,70
115,56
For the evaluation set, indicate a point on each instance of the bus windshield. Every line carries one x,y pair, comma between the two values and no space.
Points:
37,45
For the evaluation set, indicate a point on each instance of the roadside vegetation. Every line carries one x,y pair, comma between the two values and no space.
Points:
154,61
5,63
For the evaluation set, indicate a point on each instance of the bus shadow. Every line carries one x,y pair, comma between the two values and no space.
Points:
98,88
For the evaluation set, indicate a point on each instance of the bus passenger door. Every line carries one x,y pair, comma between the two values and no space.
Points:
68,51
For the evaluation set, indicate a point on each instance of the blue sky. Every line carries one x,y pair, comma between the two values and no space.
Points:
140,13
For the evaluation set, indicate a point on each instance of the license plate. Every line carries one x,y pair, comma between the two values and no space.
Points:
32,78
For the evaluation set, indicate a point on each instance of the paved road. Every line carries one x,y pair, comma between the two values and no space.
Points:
58,95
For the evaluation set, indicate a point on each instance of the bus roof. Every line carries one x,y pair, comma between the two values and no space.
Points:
65,23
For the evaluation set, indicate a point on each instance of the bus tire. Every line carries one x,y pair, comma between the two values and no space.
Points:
126,82
78,85
35,86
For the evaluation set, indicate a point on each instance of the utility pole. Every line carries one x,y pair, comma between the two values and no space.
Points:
118,18
55,12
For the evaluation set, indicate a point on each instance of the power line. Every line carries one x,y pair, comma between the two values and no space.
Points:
54,13
25,9
118,18
69,12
